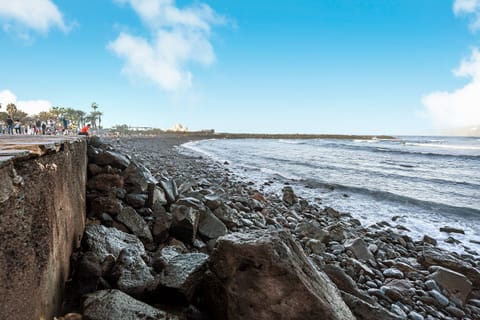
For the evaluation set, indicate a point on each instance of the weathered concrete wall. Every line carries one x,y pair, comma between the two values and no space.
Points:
42,218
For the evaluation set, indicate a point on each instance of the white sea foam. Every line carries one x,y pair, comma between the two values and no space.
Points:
444,146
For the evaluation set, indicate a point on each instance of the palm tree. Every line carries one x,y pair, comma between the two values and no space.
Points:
11,109
94,114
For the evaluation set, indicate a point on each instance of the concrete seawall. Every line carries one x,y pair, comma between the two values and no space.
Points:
42,218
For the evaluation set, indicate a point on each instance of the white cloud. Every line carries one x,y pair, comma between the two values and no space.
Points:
39,15
178,37
461,107
468,7
28,106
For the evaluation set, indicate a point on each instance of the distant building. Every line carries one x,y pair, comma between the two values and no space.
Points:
178,128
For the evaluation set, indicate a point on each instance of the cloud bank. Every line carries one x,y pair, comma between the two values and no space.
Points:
21,16
28,106
178,36
460,108
468,7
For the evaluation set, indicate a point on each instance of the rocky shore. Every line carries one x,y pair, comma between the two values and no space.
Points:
176,236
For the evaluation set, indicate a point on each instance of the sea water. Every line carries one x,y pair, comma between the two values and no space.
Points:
421,183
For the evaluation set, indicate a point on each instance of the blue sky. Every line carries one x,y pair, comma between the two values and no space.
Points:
355,67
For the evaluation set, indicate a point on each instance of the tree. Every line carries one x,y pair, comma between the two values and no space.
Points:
11,109
94,114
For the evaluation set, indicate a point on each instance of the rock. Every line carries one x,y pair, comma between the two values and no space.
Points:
161,226
441,300
393,273
170,188
136,200
332,213
210,226
132,274
311,229
315,246
106,205
105,182
137,177
431,257
107,157
114,305
336,232
451,230
398,311
135,223
185,223
105,241
94,169
429,240
212,201
456,312
365,311
156,195
289,197
267,276
415,315
183,273
454,284
403,288
359,249
228,216
344,282
432,285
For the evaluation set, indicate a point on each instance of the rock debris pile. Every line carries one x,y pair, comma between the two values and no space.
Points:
172,236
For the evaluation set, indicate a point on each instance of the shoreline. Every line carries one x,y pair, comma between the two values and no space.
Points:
198,135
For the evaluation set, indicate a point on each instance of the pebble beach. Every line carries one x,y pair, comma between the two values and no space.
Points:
373,271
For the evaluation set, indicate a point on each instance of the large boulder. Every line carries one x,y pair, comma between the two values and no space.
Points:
454,284
210,226
170,188
183,273
135,223
436,257
268,276
137,178
185,223
114,305
107,157
105,182
131,274
105,241
359,248
108,205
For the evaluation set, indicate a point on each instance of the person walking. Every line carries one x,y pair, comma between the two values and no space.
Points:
9,125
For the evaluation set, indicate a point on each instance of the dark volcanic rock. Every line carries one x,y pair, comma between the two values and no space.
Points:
115,305
289,197
170,188
131,273
210,226
105,182
137,177
135,223
366,311
184,223
267,276
106,205
183,273
110,241
107,157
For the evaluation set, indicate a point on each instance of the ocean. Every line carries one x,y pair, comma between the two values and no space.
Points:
423,183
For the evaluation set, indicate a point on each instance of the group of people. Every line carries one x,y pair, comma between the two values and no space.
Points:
50,127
